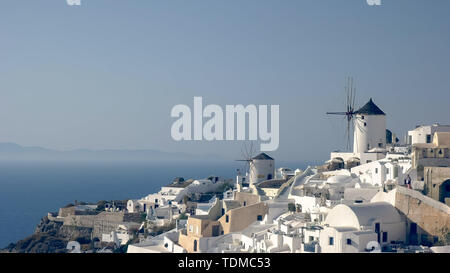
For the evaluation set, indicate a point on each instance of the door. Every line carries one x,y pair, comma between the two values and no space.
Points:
215,231
413,234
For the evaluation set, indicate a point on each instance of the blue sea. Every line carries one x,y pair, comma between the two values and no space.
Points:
31,189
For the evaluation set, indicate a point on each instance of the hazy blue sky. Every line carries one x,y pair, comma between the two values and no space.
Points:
106,74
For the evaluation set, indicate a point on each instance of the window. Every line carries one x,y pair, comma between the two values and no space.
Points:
377,227
259,217
376,170
409,139
385,237
331,241
365,124
380,145
362,117
227,219
349,241
377,231
195,245
245,203
311,238
428,138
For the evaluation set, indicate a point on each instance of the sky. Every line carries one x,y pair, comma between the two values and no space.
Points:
106,74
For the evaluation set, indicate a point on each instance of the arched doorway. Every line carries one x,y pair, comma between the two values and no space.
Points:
444,190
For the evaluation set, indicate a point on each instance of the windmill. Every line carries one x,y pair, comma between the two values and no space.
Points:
247,153
350,108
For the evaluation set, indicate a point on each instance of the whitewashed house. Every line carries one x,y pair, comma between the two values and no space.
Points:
354,228
425,133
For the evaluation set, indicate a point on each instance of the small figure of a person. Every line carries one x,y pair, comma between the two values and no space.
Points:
408,182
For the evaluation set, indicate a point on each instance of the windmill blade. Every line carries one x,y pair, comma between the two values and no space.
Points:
336,113
354,99
350,93
247,153
348,134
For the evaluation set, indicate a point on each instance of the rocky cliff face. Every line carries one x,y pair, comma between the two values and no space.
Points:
51,237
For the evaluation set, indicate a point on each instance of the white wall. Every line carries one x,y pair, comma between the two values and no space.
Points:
369,131
419,135
373,173
261,169
359,241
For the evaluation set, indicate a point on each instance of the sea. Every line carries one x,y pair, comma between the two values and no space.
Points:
31,189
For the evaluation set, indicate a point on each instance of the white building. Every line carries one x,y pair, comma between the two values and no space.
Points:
357,227
163,243
370,128
369,136
174,193
376,173
120,236
133,206
262,167
424,134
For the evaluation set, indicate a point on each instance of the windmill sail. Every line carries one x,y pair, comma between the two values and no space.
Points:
350,108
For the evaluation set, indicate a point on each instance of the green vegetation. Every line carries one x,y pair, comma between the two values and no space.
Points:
183,216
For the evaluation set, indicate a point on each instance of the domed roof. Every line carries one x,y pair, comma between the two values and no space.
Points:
339,179
358,215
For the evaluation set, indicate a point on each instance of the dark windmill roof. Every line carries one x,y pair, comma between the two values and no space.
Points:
370,109
262,156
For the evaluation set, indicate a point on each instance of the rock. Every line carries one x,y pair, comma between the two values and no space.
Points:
50,237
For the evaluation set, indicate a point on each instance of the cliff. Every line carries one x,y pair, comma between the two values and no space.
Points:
51,237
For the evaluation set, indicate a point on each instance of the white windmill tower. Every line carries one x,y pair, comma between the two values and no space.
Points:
370,128
260,167
369,123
